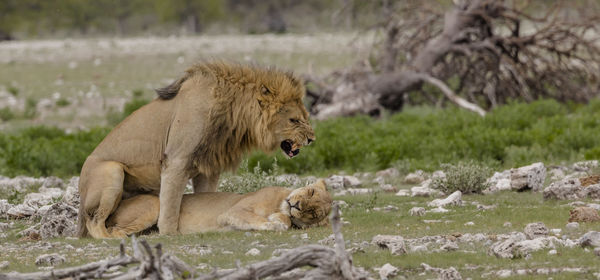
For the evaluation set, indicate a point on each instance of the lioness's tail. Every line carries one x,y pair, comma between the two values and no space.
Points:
81,228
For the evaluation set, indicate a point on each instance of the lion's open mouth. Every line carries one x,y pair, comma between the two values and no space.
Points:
287,146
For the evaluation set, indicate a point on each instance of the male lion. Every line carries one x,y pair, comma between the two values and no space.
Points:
199,126
271,208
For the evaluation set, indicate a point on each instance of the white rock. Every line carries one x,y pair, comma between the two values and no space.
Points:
353,191
552,252
337,182
556,174
4,264
591,238
556,230
393,242
417,211
507,224
504,273
504,249
528,177
52,182
469,224
387,271
594,205
416,177
443,274
570,188
288,179
418,248
49,259
585,166
572,226
4,206
439,210
424,190
500,181
45,196
388,173
21,211
450,246
253,252
535,230
43,210
304,236
387,208
453,199
438,174
403,192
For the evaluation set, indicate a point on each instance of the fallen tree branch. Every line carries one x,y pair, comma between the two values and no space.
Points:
452,96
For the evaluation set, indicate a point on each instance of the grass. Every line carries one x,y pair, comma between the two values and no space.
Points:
517,208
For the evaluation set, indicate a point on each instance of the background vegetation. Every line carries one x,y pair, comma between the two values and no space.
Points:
418,138
130,17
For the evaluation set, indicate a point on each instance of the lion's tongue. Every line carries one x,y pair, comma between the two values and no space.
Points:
290,154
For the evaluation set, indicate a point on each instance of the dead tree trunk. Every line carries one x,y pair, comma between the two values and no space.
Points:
481,43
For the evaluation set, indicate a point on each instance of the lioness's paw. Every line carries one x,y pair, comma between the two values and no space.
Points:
275,225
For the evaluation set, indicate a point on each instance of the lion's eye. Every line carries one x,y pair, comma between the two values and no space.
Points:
312,192
294,120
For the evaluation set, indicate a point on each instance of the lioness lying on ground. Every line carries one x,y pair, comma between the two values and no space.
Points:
271,208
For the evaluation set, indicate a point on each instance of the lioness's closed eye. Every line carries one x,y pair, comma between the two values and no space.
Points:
271,208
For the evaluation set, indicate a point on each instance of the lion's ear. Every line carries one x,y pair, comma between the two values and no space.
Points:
265,90
320,184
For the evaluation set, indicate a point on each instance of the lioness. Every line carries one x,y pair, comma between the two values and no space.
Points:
198,127
271,208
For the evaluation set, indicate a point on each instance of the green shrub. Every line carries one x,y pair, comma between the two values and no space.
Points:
13,90
30,111
417,138
248,180
63,102
467,177
6,114
44,151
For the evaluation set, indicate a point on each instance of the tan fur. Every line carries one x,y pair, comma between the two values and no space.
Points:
266,209
200,126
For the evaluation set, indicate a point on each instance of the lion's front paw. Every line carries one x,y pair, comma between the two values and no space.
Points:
274,225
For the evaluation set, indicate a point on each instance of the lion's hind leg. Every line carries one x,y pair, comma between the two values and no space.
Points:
134,214
104,191
239,218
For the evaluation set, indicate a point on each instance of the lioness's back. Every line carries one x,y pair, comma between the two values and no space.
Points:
203,209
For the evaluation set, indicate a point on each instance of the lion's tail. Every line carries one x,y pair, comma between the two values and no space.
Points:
171,90
81,228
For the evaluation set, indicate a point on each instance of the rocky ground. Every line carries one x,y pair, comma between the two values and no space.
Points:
533,222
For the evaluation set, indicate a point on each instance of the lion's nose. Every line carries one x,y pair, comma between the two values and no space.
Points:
310,141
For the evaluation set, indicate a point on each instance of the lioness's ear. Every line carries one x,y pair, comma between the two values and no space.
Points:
320,184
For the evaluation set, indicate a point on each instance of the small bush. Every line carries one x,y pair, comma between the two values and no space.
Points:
138,93
63,102
13,90
30,108
6,114
467,177
248,180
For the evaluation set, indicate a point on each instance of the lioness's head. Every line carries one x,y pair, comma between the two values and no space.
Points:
280,96
308,205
